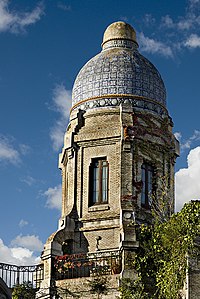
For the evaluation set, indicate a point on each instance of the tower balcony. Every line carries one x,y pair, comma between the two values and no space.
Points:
87,265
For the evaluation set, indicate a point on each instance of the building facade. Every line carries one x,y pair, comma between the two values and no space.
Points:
118,157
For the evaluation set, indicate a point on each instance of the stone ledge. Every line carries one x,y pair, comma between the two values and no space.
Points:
100,227
99,208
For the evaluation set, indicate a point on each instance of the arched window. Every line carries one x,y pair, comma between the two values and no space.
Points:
147,185
67,246
98,184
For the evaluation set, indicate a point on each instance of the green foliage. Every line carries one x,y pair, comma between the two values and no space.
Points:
99,282
23,291
173,242
161,261
98,285
132,289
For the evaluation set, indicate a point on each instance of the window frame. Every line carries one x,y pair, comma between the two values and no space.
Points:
92,168
148,171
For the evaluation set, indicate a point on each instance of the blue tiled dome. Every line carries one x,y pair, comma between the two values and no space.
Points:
119,73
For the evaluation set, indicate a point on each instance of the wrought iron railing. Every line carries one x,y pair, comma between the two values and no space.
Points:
86,265
13,275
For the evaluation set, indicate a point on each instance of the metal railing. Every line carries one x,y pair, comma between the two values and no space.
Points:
86,265
13,275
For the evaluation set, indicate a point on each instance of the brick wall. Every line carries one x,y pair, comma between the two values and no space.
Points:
81,287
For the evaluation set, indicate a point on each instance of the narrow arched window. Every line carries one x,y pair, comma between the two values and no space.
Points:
67,246
147,185
98,184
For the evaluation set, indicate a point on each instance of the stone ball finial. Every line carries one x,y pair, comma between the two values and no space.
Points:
119,30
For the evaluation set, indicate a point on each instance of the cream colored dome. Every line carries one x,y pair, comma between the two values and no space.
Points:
119,30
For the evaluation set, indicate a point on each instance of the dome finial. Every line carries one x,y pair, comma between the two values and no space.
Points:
119,31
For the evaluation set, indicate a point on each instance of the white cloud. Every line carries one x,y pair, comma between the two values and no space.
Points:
185,24
62,102
21,253
175,34
193,3
23,223
149,19
17,255
183,32
124,18
7,152
186,144
178,135
30,242
24,149
167,21
29,180
54,197
193,41
195,136
64,6
16,22
187,185
150,45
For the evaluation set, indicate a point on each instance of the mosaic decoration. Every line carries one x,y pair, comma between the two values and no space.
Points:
138,104
119,69
123,43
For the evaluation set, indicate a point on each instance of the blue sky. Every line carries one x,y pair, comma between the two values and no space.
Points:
43,45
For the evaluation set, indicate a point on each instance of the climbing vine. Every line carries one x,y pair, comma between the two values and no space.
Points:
162,259
99,283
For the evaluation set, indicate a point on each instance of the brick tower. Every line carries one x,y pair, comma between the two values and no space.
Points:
118,155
